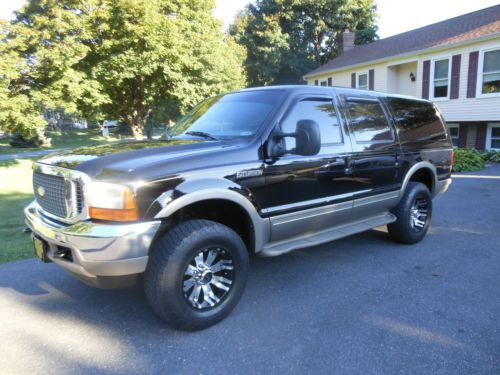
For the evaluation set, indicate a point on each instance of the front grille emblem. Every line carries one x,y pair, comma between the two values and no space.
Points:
41,191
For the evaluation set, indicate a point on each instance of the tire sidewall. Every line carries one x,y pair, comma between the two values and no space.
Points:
415,192
172,275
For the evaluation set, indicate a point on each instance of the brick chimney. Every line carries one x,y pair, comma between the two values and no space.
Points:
346,41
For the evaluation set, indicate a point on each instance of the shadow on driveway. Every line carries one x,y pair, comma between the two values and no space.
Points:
358,305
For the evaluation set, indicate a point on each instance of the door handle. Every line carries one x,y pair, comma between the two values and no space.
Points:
348,165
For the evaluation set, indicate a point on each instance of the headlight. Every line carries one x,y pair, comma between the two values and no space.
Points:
113,202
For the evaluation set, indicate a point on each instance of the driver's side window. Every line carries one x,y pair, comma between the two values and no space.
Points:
320,110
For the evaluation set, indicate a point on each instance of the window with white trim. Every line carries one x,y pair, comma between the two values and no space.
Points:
454,132
440,78
323,83
493,137
362,81
489,72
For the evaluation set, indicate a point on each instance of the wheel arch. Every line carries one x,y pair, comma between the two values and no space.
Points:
225,206
424,172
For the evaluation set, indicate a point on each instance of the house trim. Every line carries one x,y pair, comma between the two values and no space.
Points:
491,125
360,73
408,55
479,81
432,79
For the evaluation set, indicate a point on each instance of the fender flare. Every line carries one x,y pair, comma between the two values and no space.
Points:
261,226
416,167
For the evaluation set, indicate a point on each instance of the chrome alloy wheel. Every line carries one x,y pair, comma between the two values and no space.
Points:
208,278
418,214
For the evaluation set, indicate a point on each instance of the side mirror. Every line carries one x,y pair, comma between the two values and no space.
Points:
307,138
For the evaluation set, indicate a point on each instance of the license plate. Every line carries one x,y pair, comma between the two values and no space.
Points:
40,249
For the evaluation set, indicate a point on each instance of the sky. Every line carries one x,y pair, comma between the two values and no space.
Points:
395,16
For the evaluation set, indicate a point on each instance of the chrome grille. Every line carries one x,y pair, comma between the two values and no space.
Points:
53,199
58,195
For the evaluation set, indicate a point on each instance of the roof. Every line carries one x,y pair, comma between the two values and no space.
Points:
482,23
328,90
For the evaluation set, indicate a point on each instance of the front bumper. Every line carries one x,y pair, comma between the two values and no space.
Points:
99,251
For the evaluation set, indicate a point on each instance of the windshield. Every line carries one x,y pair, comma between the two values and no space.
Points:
239,114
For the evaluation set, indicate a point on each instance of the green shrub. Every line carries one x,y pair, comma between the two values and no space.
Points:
493,156
467,160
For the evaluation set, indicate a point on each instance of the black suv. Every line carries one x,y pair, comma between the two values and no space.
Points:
264,170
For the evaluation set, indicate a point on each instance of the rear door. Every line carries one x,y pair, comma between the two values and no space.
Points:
375,160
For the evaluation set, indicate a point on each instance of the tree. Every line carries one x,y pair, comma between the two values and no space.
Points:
19,110
287,38
122,59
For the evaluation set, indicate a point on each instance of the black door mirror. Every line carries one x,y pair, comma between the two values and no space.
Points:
307,138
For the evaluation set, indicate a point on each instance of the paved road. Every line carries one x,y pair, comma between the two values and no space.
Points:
361,305
29,154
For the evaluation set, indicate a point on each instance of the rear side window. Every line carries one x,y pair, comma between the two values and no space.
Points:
416,120
317,109
368,120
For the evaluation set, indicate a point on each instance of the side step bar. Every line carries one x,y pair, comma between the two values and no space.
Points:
317,238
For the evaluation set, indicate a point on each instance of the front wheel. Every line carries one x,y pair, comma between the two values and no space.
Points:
413,214
196,274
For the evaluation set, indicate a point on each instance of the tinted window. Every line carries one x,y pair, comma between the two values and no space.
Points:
368,120
416,120
319,110
237,114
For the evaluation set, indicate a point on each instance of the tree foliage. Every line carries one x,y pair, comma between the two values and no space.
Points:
120,59
287,38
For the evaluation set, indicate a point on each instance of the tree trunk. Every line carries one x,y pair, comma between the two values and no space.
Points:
137,121
137,130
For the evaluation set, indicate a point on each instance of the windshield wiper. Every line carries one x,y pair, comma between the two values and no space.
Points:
203,135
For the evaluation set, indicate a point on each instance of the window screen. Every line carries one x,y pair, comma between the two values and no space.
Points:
441,70
368,120
491,72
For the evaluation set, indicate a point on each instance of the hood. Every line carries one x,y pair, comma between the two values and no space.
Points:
109,162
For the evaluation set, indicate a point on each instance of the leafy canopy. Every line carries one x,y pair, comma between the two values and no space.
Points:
285,39
118,59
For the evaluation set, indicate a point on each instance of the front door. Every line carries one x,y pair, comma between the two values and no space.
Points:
308,193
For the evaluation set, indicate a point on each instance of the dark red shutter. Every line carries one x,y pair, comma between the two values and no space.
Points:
371,79
353,80
425,79
329,81
481,137
316,82
455,76
462,135
472,74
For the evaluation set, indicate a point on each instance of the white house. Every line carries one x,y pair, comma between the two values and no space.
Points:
455,63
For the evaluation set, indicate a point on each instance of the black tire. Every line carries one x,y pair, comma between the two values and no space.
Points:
170,259
404,230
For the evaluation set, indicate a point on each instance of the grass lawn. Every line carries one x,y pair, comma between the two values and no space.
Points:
69,139
15,194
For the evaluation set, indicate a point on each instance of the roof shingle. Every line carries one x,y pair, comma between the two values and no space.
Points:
473,25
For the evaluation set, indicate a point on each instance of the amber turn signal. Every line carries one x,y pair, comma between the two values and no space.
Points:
121,204
114,214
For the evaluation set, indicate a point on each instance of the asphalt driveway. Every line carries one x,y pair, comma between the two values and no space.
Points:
360,305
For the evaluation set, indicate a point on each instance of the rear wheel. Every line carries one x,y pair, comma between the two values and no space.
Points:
413,213
196,274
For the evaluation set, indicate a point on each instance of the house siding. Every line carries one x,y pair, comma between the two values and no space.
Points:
461,109
465,109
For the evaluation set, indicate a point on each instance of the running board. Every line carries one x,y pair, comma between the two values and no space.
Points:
317,238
